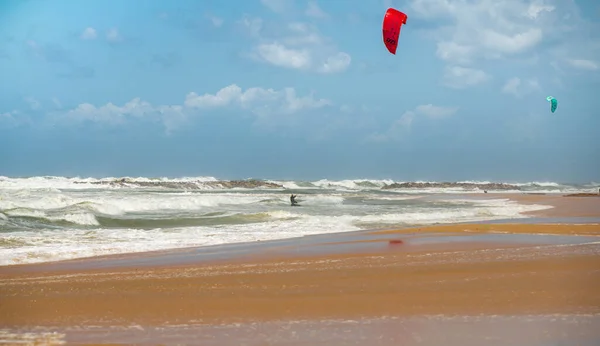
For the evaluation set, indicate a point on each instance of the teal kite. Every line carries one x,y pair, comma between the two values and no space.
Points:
553,103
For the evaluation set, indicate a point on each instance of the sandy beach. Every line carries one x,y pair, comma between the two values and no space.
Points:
473,269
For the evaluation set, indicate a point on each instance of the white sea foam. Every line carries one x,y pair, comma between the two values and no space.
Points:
117,204
50,182
44,245
50,218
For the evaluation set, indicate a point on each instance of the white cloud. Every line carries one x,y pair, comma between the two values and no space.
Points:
8,117
296,45
293,103
519,88
262,102
458,77
172,117
222,98
347,109
113,35
511,86
511,44
13,118
277,6
33,103
583,64
111,113
336,63
216,21
89,34
452,51
56,102
279,55
432,111
313,10
363,109
53,53
252,26
266,104
298,33
469,31
405,121
537,7
401,126
484,29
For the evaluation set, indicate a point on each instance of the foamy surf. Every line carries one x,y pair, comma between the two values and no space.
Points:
54,218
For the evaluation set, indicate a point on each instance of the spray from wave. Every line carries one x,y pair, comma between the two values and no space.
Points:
211,183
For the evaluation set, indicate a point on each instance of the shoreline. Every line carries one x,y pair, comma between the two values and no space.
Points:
568,211
540,279
418,239
563,204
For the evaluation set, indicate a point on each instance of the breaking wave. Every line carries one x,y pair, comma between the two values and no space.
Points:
55,218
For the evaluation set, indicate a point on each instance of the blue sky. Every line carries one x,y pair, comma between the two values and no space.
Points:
295,89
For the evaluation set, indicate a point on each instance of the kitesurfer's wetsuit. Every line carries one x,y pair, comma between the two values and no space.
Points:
293,199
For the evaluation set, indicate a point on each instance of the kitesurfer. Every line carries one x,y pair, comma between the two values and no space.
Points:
293,200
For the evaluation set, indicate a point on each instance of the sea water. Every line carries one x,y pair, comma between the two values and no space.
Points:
46,219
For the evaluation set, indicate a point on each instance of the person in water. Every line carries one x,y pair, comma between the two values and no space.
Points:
293,200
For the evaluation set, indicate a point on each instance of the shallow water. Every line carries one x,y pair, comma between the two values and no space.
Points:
530,330
44,219
500,245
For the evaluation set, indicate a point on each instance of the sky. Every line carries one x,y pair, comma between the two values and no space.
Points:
296,89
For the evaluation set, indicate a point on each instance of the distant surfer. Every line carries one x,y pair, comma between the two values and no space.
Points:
293,200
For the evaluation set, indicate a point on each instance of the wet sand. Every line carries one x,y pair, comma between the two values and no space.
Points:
585,205
503,228
506,281
474,269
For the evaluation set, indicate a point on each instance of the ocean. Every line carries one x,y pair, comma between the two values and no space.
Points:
45,219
